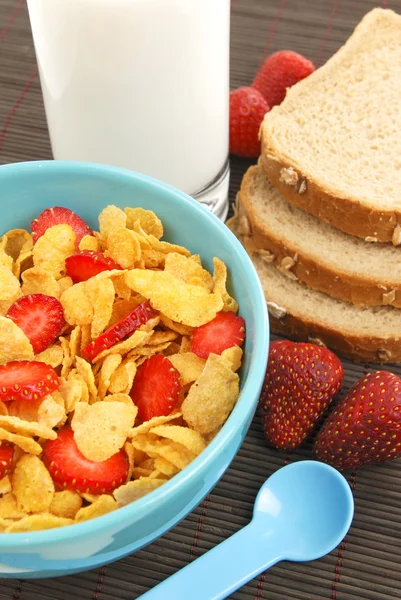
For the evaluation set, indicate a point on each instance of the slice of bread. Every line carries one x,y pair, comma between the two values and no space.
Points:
304,248
363,334
333,147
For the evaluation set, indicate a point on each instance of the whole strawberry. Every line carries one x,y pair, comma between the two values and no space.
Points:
247,109
280,71
301,381
365,427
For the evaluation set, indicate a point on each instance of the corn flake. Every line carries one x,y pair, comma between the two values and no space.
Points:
53,356
100,429
16,425
32,485
179,301
9,508
5,485
14,345
124,248
135,489
154,422
189,366
65,504
177,327
109,366
78,309
84,369
89,242
9,284
192,440
5,259
212,397
130,452
220,280
110,219
51,413
233,356
187,269
53,247
16,242
38,522
101,506
122,379
39,281
25,443
165,467
148,221
100,292
175,453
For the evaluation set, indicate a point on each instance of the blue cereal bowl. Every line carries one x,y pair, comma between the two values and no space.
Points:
25,190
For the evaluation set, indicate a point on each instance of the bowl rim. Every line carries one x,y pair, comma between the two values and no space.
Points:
240,414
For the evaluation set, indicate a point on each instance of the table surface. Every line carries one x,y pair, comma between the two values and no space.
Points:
366,565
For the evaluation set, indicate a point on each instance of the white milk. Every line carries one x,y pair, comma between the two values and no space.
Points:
141,84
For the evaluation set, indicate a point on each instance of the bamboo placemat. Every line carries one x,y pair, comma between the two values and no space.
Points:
366,565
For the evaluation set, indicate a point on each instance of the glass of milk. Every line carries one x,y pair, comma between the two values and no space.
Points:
140,84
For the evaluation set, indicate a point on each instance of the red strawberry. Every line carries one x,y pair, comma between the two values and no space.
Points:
140,315
40,317
59,216
280,71
224,331
301,381
26,380
365,426
156,388
6,459
70,469
85,264
247,109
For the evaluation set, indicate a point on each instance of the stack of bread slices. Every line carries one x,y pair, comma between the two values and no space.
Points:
320,215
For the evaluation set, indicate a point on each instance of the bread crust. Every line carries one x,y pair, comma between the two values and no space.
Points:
354,218
360,291
357,349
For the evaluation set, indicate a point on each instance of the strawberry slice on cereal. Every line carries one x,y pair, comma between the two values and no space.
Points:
40,317
70,469
156,388
127,325
224,331
59,216
26,380
6,459
85,264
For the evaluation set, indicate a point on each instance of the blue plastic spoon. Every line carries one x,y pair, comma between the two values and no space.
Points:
301,513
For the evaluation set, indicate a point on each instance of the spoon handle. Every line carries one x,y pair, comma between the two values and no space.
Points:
222,570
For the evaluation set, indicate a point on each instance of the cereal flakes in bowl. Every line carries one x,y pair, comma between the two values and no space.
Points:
133,344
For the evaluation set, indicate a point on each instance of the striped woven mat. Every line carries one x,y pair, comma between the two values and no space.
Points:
366,565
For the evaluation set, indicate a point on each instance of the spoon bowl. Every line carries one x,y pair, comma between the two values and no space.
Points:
301,513
311,504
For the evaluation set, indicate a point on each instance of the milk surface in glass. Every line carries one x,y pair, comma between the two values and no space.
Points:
140,84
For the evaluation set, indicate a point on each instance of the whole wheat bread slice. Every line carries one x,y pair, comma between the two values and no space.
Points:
363,334
305,248
333,147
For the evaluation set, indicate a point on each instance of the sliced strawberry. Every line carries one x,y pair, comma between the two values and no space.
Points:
59,216
222,332
70,469
6,459
40,317
26,380
140,315
156,388
85,264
